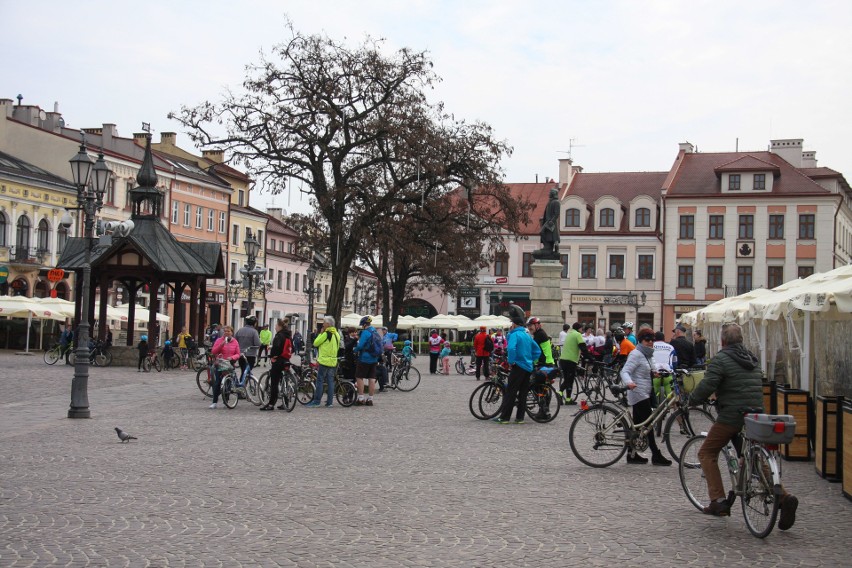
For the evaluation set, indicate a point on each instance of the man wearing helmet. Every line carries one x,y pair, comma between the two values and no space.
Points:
522,354
540,336
142,346
249,341
628,332
366,367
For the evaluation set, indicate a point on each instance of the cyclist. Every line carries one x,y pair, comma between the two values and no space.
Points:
142,346
281,350
167,354
540,336
65,339
568,359
407,351
733,374
522,353
227,348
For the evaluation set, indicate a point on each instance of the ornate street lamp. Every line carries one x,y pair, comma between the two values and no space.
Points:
233,290
633,301
90,200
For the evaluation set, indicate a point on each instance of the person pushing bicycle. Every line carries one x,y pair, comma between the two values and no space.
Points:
733,374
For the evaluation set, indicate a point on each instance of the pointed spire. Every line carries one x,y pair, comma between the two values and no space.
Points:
147,176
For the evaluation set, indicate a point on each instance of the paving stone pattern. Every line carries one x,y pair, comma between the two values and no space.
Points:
413,481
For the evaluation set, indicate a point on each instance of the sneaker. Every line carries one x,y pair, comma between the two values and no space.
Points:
368,403
521,421
499,420
718,509
214,406
329,405
312,404
570,401
788,506
637,459
660,460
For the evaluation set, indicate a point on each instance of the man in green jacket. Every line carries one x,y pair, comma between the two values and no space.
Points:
327,342
733,374
265,339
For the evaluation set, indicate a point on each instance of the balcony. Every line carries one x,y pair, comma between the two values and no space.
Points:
27,259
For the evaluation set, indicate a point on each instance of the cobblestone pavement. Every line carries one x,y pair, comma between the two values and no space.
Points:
412,481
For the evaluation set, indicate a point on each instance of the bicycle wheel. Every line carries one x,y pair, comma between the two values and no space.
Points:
345,393
408,379
459,366
263,388
759,498
543,404
490,401
146,364
107,358
305,391
198,362
204,380
473,403
230,398
692,477
598,436
681,426
51,356
287,392
72,357
253,390
157,364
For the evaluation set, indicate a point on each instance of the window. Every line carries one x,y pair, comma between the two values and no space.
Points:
776,227
280,275
716,227
199,216
714,276
288,279
806,226
241,196
643,217
746,226
607,217
22,240
110,192
186,210
272,244
175,211
744,283
526,264
296,282
235,235
128,187
304,281
774,276
2,229
805,271
233,271
588,266
733,182
684,276
572,217
211,220
222,222
759,181
645,267
260,241
687,226
326,293
43,236
501,264
564,259
61,238
616,266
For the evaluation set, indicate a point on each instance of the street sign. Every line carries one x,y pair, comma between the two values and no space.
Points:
490,280
55,274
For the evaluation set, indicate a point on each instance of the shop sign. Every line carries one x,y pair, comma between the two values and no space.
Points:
4,273
55,274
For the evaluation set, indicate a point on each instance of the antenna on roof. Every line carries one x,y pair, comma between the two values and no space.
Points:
571,147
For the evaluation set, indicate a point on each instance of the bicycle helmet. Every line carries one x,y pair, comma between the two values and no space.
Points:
407,342
168,342
627,325
617,331
366,320
144,338
533,320
251,320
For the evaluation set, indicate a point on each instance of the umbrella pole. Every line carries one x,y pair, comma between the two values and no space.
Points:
29,324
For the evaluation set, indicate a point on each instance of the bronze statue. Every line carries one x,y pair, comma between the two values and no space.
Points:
550,229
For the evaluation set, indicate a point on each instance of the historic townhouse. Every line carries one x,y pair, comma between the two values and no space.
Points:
735,221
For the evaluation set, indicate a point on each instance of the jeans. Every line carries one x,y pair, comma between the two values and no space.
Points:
325,378
483,363
642,410
217,384
717,438
515,394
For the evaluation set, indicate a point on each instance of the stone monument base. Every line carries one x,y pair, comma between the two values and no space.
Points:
546,295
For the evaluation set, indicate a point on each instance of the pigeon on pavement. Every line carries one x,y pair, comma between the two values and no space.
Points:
124,436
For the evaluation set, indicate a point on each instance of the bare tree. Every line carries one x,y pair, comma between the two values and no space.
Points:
354,126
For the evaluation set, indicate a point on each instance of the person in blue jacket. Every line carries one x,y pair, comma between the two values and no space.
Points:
366,366
522,353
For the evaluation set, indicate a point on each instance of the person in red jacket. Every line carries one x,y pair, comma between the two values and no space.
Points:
483,346
226,347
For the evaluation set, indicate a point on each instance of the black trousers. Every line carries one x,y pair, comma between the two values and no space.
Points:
486,361
141,358
641,411
275,374
569,373
515,395
433,362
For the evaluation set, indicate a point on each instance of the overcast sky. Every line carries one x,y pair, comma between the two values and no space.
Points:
626,81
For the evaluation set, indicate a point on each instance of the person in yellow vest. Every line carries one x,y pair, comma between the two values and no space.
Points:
265,339
183,347
327,342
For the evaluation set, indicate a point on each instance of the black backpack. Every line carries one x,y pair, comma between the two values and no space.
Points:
489,344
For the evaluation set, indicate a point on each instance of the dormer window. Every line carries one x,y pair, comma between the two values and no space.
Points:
759,181
734,182
643,217
572,217
607,217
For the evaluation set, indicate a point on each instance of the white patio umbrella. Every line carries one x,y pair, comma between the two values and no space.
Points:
23,307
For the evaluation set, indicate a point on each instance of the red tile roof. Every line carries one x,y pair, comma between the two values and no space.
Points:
624,186
539,195
695,174
747,164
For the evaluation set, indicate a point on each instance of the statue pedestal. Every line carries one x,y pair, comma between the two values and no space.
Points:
546,295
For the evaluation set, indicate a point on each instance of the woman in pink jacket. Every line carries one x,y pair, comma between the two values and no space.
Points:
226,347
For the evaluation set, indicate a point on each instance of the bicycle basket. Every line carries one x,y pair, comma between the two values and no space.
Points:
223,365
691,380
770,428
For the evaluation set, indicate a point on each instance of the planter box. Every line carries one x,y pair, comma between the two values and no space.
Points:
770,401
827,446
795,402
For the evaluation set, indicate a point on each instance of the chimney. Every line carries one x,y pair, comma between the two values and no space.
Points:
168,138
140,137
7,105
27,113
788,148
108,132
686,147
215,156
809,159
274,212
566,171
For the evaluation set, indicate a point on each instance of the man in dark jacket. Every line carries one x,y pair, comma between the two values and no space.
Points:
684,349
734,375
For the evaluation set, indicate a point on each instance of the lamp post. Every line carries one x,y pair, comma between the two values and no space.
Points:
249,271
634,301
312,274
492,303
90,200
233,290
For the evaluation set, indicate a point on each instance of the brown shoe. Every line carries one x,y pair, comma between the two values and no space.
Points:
789,504
368,403
359,402
718,509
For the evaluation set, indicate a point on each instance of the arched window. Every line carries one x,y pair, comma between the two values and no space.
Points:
22,239
643,217
607,217
572,217
43,234
42,289
61,238
3,228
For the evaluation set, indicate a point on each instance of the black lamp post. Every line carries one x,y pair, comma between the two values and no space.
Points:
634,301
233,289
90,200
311,292
492,303
249,271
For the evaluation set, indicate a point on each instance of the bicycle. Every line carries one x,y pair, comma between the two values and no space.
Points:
487,399
404,377
470,368
57,352
594,381
204,377
151,360
286,389
234,387
99,354
755,476
543,403
608,430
